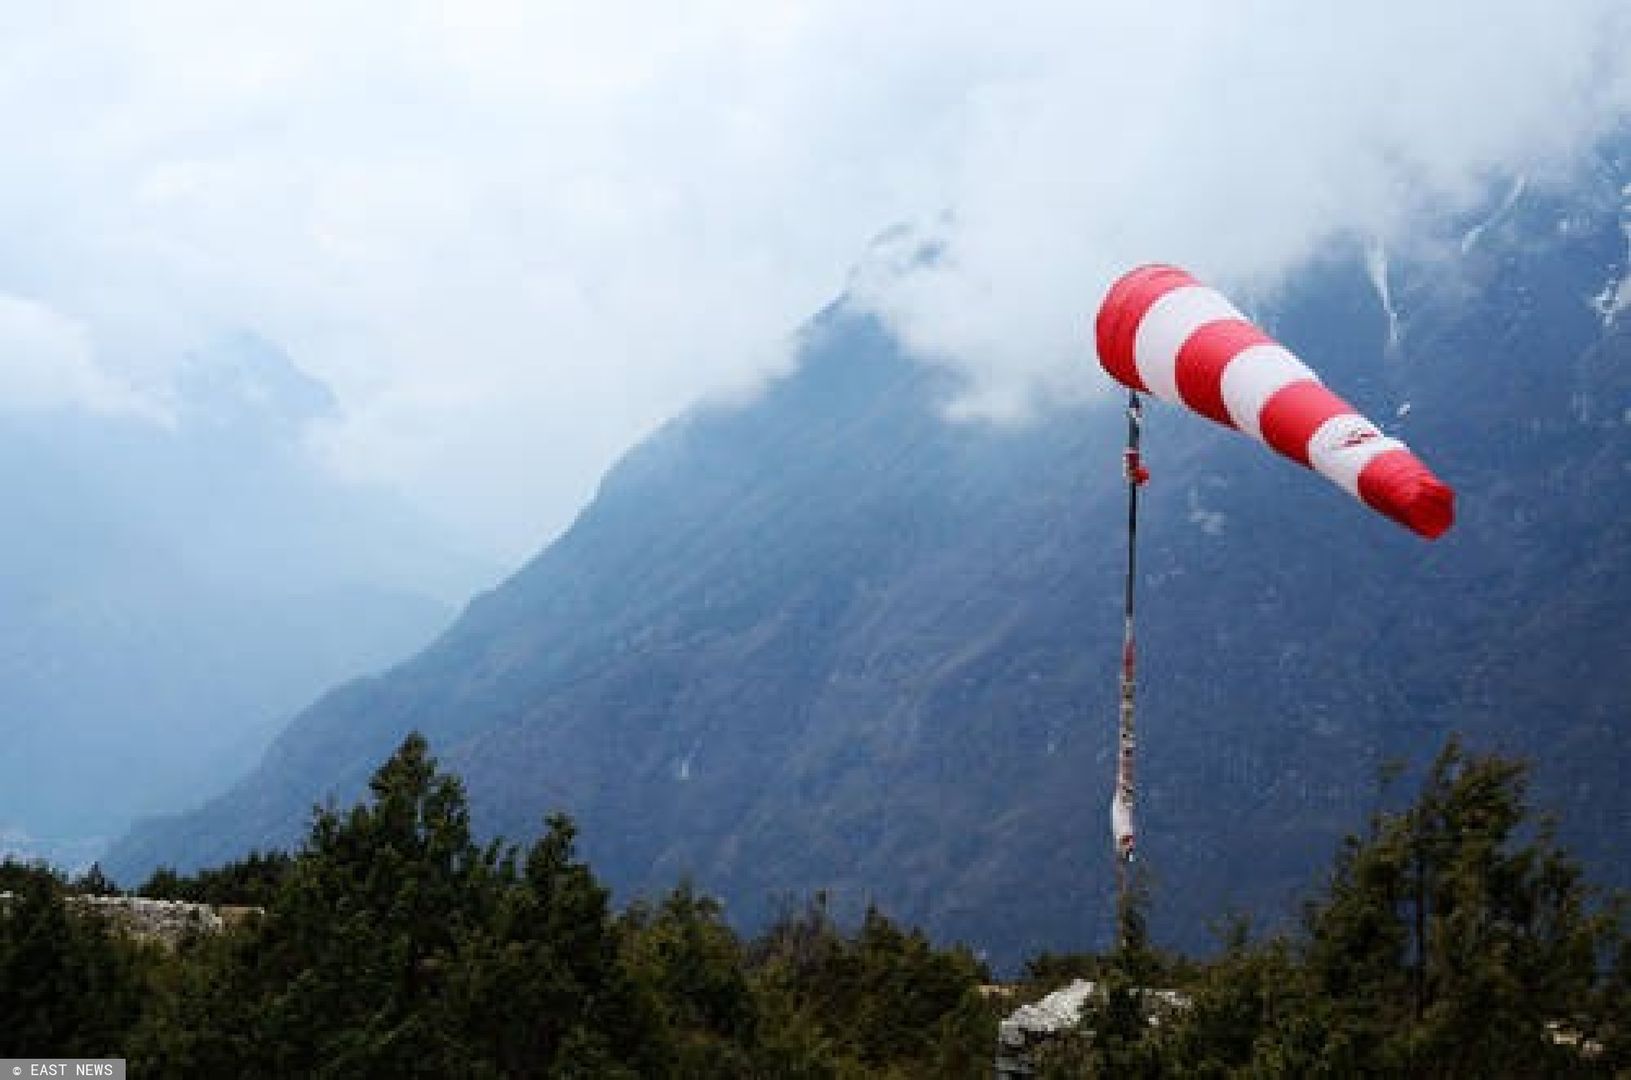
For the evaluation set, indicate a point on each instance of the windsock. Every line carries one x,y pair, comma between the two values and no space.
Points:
1162,332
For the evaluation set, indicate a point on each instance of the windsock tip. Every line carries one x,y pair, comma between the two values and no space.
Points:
1432,511
1398,485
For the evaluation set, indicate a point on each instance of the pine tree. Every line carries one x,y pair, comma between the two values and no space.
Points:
884,1001
344,976
1453,937
539,989
692,967
68,984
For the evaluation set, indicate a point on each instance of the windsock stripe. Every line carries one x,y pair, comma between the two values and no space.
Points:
1203,359
1343,446
1254,376
1169,323
1292,415
1123,311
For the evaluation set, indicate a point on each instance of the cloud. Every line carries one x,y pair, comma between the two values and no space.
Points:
513,236
46,364
1234,139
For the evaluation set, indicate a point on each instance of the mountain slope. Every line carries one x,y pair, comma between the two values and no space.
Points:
830,640
169,592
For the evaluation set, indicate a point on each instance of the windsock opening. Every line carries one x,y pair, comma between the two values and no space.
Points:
1123,309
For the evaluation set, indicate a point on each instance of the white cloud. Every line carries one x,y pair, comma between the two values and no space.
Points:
46,363
1234,139
513,236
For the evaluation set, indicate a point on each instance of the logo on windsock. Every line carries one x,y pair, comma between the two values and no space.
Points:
1164,333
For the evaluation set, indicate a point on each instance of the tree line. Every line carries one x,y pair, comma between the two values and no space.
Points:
1452,937
394,943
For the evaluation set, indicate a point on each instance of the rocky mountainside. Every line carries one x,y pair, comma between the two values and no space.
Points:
830,640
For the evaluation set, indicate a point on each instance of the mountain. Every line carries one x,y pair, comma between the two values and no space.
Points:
832,640
172,592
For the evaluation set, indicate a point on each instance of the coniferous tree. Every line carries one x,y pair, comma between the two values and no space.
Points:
883,999
344,975
540,989
69,985
251,881
692,966
93,882
1453,939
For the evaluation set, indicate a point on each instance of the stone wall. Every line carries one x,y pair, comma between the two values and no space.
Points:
166,921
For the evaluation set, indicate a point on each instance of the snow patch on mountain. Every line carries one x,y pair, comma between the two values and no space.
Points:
1615,296
682,769
1470,238
1376,267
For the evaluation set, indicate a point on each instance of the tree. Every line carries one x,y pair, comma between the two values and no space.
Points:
1455,938
251,881
1452,937
93,882
692,966
395,944
539,988
885,999
68,985
345,973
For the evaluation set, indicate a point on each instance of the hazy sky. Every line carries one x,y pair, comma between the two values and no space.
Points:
513,237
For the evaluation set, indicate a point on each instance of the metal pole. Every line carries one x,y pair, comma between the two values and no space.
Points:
1125,797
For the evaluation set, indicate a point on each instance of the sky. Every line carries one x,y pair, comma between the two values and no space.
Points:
513,237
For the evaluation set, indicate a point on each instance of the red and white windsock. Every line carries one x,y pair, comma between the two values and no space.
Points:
1162,332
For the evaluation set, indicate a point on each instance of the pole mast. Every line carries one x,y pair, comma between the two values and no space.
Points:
1121,808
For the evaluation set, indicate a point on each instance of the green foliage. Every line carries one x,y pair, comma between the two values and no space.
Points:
252,881
93,882
343,972
885,998
1450,941
1119,1033
538,986
1453,938
1614,1007
1046,970
15,876
395,944
691,964
68,986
